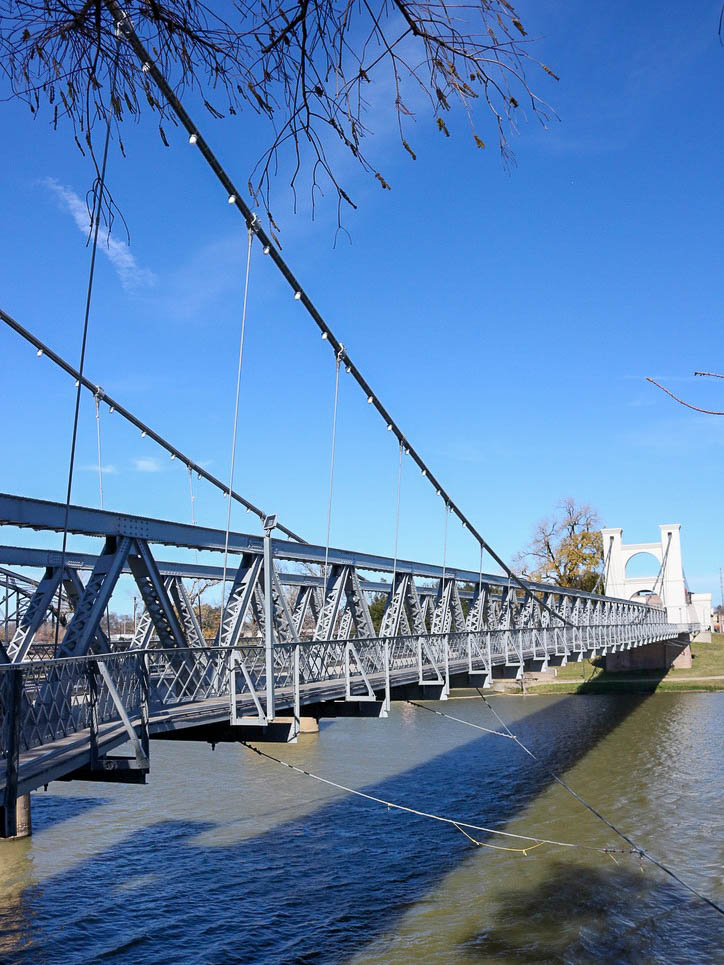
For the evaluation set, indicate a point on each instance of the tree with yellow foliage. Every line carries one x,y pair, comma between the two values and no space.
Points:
566,549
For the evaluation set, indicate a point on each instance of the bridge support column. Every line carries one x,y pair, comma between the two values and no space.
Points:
307,725
20,824
653,656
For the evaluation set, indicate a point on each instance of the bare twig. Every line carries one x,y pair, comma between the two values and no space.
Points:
303,64
688,405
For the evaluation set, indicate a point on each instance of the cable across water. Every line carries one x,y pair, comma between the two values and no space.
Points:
635,848
438,817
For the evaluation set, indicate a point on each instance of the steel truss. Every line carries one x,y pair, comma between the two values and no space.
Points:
322,645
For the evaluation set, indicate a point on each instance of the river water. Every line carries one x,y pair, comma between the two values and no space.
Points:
225,857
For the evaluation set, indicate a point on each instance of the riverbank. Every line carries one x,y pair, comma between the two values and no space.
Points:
705,675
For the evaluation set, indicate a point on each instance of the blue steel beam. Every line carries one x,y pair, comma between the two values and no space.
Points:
38,514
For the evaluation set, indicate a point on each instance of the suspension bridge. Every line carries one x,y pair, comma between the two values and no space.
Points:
296,641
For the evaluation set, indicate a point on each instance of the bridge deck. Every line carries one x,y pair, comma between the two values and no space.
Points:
190,689
55,759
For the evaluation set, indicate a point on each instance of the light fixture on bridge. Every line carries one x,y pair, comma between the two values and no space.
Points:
77,383
111,409
266,249
297,295
173,455
324,336
232,199
389,427
39,352
424,472
370,400
269,522
193,139
143,434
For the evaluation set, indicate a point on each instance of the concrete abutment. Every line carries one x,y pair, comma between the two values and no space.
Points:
653,656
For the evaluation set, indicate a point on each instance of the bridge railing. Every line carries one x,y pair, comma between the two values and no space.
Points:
43,701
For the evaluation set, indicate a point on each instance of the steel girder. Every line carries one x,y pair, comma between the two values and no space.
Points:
339,609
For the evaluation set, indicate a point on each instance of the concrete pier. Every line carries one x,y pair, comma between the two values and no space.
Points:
23,817
307,725
22,827
654,656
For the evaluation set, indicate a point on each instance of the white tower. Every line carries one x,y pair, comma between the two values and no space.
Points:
681,606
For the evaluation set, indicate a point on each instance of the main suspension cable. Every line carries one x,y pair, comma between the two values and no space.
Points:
234,197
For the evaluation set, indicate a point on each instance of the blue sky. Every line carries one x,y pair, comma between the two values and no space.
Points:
507,319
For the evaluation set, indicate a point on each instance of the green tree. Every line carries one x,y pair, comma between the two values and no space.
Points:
566,549
377,610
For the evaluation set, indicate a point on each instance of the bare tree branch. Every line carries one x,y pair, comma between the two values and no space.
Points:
305,65
688,405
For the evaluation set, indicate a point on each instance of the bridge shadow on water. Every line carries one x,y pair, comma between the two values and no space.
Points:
605,914
51,809
319,887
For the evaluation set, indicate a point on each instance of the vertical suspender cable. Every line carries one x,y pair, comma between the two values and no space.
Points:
233,436
98,436
99,189
397,515
196,552
444,567
234,197
193,497
97,398
480,579
331,468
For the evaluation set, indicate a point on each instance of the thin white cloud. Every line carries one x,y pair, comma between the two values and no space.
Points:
109,470
131,274
147,464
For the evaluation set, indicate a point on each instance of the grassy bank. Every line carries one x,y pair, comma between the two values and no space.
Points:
591,678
